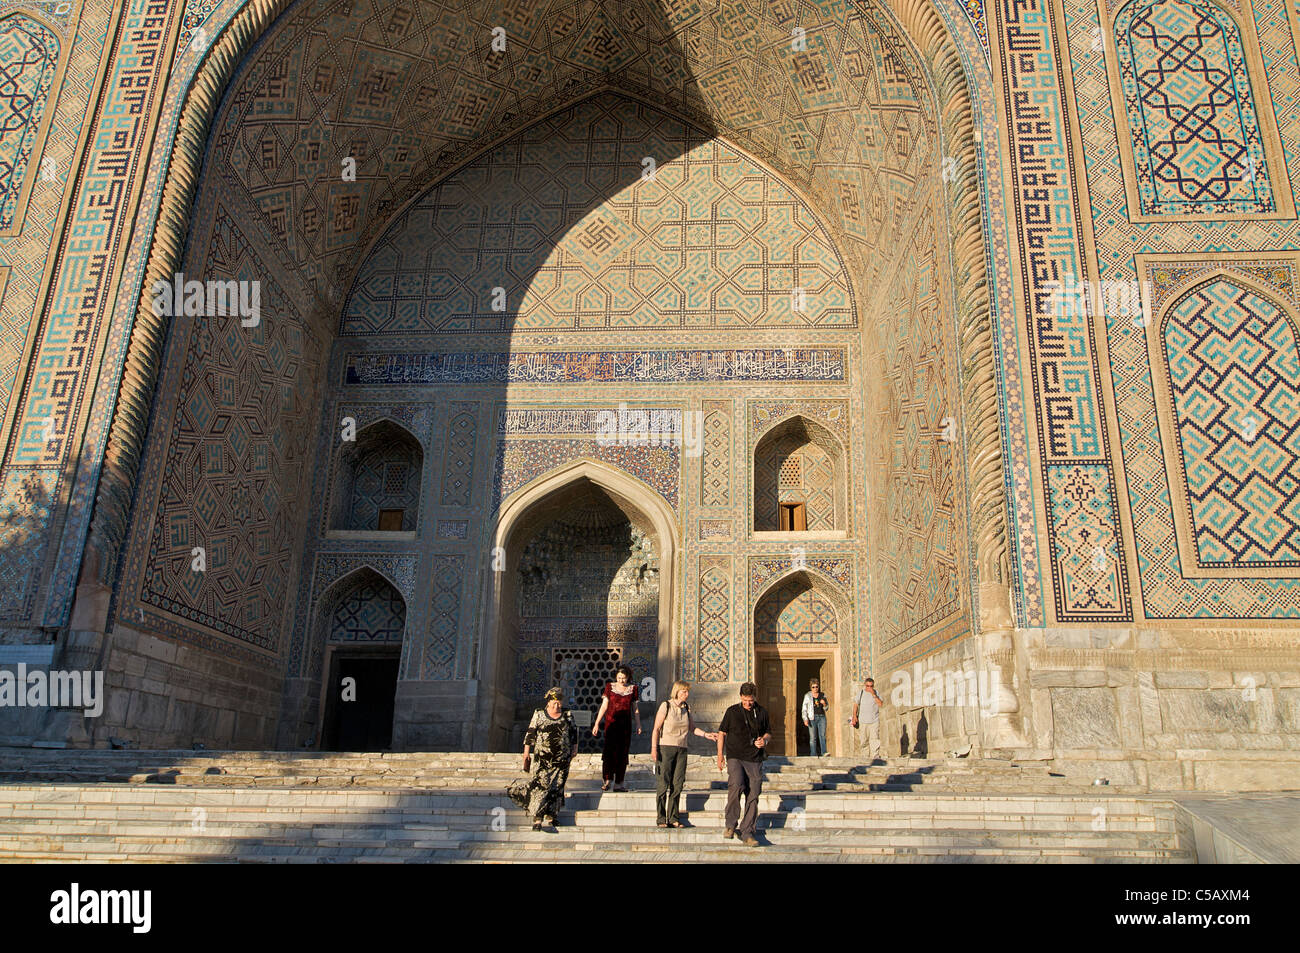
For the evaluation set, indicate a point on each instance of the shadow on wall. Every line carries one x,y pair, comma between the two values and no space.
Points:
482,224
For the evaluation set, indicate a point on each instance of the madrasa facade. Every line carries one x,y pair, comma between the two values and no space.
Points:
368,367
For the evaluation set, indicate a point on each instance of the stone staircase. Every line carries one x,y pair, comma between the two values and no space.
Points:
287,807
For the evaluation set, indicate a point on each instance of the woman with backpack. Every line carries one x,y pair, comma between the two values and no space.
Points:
673,727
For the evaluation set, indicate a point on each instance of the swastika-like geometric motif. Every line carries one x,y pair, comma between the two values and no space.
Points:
458,468
795,611
1196,135
29,55
715,619
715,469
369,611
709,239
1232,367
439,656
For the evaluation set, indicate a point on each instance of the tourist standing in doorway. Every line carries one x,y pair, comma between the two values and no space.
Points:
552,738
814,717
617,712
866,718
743,735
672,729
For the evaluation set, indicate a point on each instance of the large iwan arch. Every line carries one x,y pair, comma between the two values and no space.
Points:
256,186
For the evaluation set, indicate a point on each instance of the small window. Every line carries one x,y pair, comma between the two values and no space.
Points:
391,519
794,519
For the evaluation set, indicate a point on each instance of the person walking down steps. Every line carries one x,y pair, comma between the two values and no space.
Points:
617,713
866,718
549,746
672,730
743,735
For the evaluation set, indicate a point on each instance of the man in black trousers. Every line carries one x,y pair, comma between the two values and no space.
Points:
743,735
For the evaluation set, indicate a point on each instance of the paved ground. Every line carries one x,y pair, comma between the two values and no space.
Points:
1266,825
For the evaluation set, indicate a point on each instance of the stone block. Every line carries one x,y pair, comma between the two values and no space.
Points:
1211,710
1181,680
1287,706
1084,718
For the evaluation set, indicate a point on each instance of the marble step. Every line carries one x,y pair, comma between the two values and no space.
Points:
554,848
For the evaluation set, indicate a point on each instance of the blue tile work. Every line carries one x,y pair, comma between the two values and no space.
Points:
704,238
1170,258
629,366
1194,128
29,55
1233,366
369,611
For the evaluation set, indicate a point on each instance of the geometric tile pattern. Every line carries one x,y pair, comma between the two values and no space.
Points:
231,473
332,576
438,659
1231,361
915,577
29,55
1062,371
793,469
51,406
1084,537
794,610
709,240
327,83
458,468
1196,139
369,611
715,468
836,570
384,474
521,460
1169,257
714,619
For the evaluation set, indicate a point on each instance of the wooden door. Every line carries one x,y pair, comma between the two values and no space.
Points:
778,693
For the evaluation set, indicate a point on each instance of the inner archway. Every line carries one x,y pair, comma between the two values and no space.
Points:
585,586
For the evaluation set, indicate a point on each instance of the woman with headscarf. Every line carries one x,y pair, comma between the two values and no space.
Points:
552,737
617,712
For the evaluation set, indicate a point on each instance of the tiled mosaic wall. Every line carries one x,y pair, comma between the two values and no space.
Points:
1155,147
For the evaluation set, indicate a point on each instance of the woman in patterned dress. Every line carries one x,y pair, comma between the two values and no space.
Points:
553,737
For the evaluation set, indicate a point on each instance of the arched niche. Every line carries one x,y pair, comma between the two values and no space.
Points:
377,481
523,521
360,622
1225,355
800,619
799,484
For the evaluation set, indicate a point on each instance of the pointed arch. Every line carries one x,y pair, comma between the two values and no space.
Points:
31,69
1225,359
1188,85
377,478
521,512
799,462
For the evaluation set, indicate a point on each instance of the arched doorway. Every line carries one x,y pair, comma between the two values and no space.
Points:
362,622
799,623
583,581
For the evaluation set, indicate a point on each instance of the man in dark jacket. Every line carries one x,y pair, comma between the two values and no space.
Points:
743,736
